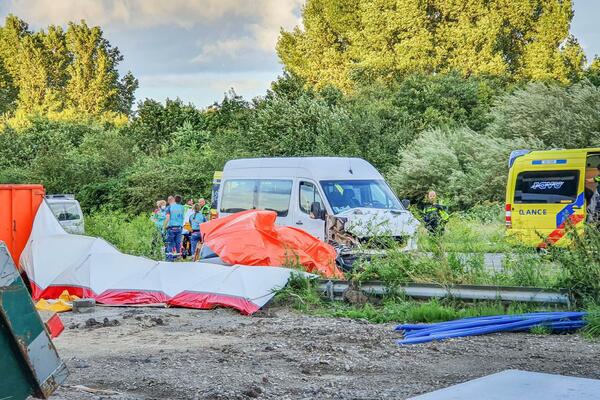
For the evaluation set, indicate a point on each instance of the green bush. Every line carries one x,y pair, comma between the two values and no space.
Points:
462,165
549,116
130,234
592,328
580,265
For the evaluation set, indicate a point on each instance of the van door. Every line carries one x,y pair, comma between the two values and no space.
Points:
308,193
545,201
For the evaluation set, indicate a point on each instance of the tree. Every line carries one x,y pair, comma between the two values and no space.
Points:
127,87
10,36
154,123
592,73
344,42
93,77
60,74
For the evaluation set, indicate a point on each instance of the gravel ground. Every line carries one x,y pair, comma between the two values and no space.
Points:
153,353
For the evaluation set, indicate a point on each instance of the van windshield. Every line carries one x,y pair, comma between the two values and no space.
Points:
344,195
65,211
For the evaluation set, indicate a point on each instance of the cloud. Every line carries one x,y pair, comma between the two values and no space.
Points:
136,13
229,48
246,25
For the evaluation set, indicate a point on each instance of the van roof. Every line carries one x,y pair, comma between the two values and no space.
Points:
316,168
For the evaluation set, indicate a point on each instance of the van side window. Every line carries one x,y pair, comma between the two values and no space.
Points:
274,195
308,195
547,187
238,195
264,194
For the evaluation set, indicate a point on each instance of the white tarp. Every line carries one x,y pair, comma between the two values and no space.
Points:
55,261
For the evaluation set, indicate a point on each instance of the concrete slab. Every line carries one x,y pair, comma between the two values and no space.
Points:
518,385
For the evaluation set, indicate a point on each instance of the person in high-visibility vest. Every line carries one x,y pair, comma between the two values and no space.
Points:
435,215
204,208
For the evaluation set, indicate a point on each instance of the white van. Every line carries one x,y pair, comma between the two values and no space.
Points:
67,211
305,191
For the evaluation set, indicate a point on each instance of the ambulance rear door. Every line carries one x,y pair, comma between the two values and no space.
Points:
547,197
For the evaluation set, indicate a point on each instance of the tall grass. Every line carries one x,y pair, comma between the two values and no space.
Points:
480,230
580,264
303,295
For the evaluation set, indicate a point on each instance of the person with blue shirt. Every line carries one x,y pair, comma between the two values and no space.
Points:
173,225
195,219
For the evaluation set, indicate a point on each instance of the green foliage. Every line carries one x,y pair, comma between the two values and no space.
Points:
130,234
449,162
61,75
343,42
154,122
464,234
540,330
549,116
593,72
581,265
301,293
71,157
186,172
592,328
525,267
402,311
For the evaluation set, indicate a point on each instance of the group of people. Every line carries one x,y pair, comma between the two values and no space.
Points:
179,225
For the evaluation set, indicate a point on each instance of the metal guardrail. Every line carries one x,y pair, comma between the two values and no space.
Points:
335,290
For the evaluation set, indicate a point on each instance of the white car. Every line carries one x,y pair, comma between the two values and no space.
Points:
306,192
67,211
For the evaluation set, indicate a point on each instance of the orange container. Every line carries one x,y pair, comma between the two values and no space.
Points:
18,206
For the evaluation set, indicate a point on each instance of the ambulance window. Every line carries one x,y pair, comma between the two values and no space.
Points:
547,187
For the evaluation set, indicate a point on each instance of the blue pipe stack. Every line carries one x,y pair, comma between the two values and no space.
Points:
554,321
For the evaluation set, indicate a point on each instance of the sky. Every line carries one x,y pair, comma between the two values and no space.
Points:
199,49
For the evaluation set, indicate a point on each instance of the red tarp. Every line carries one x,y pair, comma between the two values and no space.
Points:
252,238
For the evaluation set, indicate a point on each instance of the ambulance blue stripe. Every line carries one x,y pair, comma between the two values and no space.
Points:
568,210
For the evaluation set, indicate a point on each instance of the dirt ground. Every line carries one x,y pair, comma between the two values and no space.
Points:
152,353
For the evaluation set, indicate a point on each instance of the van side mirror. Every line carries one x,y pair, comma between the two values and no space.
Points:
316,212
405,203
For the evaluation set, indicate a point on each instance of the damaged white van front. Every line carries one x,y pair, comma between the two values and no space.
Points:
344,201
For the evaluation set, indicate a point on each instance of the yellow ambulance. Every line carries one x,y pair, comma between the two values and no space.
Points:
547,191
214,198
